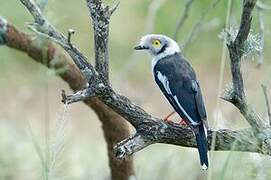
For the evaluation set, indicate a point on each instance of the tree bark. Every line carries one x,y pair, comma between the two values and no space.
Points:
114,126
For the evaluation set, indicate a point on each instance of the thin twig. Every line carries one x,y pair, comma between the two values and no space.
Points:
263,6
267,103
183,18
42,4
153,8
198,24
114,8
43,27
70,33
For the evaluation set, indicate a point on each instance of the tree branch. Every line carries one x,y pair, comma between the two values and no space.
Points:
103,91
150,20
114,126
197,25
100,16
42,26
81,95
153,130
237,95
183,17
244,139
236,49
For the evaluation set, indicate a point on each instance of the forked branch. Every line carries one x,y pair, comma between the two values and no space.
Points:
237,95
149,130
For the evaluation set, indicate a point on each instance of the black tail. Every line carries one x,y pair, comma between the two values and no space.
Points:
202,147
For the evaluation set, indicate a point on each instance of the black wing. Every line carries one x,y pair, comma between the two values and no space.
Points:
177,81
199,100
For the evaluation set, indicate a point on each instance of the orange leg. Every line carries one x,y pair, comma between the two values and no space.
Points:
166,119
182,122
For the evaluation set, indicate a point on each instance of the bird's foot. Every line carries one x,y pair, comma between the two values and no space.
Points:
182,122
166,119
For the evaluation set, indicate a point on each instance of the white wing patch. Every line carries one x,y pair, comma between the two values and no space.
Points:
205,130
164,80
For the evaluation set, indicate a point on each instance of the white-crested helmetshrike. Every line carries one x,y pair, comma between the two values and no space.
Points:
178,82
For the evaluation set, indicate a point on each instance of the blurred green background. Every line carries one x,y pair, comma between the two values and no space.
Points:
30,93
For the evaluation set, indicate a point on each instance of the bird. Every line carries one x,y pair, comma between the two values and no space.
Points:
178,82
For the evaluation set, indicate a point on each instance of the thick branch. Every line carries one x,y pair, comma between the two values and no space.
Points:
131,145
100,16
236,48
237,96
243,140
151,130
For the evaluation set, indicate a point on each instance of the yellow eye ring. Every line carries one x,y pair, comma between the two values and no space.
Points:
156,43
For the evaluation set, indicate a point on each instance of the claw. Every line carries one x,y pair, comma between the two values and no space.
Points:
182,122
166,119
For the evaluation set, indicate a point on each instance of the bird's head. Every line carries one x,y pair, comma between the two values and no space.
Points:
158,45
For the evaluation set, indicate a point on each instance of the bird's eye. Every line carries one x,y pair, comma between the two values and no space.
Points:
156,43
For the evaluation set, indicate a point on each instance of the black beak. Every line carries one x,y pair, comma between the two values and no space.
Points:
140,47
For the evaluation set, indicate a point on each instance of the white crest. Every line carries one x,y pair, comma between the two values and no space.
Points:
172,47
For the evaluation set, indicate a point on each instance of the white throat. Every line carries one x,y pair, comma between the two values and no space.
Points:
170,50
